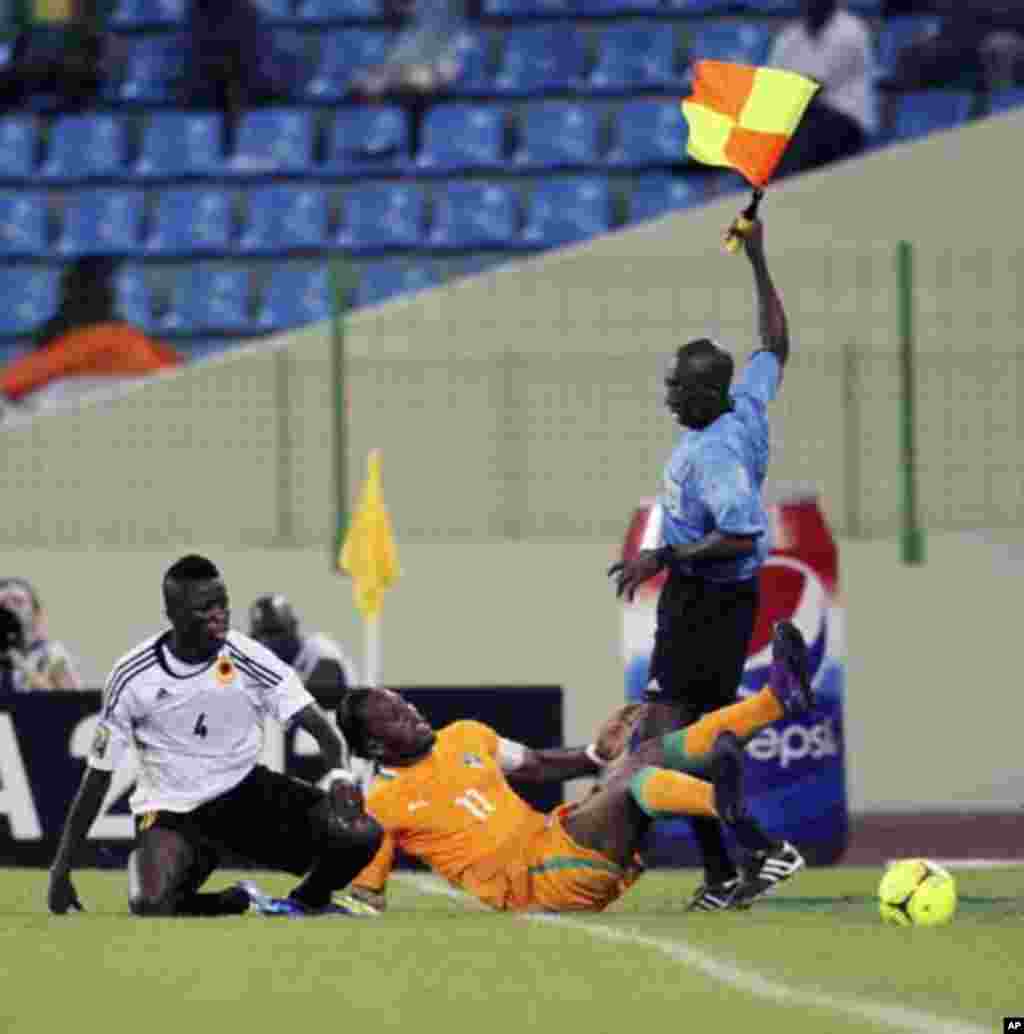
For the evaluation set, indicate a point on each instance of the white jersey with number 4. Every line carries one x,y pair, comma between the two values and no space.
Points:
197,729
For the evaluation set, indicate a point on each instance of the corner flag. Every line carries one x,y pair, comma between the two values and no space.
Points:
369,554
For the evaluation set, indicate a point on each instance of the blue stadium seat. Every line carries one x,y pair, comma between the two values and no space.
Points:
746,43
134,14
475,75
382,218
85,147
23,224
635,57
274,10
778,7
206,299
701,6
295,297
30,298
181,143
340,10
600,8
133,298
649,133
19,141
655,194
528,8
106,221
383,280
541,58
1006,100
924,112
369,140
462,136
566,210
285,218
154,68
468,216
191,221
558,135
866,8
273,140
899,32
345,52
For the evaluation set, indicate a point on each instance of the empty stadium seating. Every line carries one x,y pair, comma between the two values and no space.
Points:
191,221
284,218
19,143
558,135
567,210
102,221
84,147
462,136
649,132
382,218
22,223
367,141
927,111
176,144
383,280
472,215
273,140
30,298
295,296
207,299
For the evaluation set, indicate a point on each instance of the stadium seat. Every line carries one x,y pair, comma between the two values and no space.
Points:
866,8
899,32
744,42
105,221
474,215
655,194
539,59
85,147
23,224
30,298
776,7
19,141
133,299
206,299
273,140
191,221
274,10
345,52
1005,100
340,10
285,218
600,8
367,140
154,67
382,218
462,136
918,114
134,14
528,8
649,133
383,280
701,6
558,135
566,210
475,75
295,297
635,57
180,143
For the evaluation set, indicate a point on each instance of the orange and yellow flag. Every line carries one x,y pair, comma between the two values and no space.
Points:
743,117
369,553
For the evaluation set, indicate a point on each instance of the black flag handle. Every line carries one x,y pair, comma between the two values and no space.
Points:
734,235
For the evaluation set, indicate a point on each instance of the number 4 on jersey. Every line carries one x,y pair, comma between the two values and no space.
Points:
200,727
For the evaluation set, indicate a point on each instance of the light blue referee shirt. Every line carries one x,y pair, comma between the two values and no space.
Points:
713,478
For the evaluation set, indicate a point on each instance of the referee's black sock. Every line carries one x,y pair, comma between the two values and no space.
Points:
718,866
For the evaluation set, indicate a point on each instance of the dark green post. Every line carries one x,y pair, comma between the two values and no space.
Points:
912,537
342,285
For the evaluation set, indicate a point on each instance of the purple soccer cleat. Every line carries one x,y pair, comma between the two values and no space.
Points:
790,677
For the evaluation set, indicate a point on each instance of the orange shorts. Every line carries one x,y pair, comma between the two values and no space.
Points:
551,873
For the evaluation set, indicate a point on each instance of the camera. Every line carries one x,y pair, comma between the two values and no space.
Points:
12,634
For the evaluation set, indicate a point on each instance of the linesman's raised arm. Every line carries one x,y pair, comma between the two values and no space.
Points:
771,316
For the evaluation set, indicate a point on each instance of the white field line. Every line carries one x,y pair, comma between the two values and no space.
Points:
749,981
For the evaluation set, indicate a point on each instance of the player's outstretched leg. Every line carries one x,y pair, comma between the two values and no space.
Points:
790,676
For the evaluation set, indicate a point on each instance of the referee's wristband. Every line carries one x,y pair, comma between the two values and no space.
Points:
591,751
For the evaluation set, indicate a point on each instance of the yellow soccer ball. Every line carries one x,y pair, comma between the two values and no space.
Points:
916,892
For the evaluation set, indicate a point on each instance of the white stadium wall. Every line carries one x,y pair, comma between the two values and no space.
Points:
519,417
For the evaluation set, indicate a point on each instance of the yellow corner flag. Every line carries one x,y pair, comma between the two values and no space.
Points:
369,554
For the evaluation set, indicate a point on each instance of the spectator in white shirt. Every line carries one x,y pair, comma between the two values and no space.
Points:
833,47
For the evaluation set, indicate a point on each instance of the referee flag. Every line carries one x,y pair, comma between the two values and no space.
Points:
369,554
743,117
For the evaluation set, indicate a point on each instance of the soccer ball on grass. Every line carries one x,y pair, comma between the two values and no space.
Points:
916,892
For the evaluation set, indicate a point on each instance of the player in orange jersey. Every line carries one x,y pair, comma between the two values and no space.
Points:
443,797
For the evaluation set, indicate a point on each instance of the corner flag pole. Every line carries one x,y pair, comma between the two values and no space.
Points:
912,537
341,282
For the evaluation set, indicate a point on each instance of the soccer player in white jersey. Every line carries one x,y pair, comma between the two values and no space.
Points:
321,663
192,701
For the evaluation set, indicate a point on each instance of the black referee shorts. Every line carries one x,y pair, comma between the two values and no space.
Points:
264,820
700,643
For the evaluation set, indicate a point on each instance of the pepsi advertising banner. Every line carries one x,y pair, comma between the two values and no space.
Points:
45,739
796,777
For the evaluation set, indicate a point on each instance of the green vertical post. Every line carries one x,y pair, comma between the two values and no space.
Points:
342,283
912,536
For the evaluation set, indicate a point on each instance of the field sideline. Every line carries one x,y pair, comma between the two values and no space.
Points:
814,959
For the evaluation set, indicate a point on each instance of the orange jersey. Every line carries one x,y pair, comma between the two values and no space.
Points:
453,810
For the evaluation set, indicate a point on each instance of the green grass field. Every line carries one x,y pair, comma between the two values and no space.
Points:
811,960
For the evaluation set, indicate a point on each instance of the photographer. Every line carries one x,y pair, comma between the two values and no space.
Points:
29,660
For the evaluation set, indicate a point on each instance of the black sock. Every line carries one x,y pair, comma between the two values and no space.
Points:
751,836
718,866
231,902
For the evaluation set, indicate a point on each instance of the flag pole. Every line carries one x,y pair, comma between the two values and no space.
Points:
372,653
734,235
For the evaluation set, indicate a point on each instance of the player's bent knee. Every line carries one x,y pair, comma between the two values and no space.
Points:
151,905
362,834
